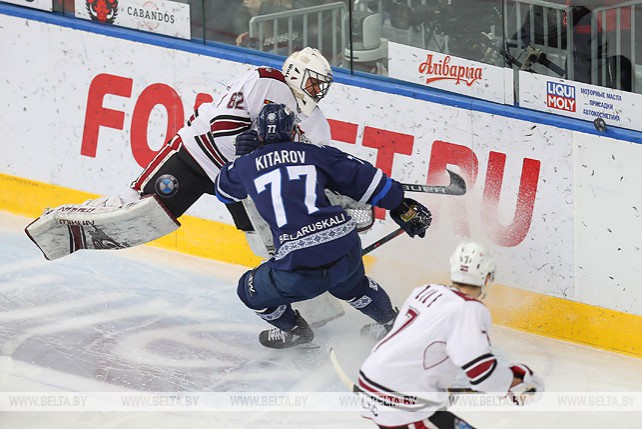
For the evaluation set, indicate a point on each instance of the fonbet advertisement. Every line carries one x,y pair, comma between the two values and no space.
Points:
113,111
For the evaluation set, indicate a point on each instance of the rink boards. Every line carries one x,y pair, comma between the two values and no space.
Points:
560,208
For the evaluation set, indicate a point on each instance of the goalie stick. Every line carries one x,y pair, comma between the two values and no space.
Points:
457,186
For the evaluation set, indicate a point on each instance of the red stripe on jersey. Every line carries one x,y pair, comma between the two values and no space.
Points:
167,151
425,298
381,395
366,387
270,73
422,292
384,396
193,117
420,425
175,143
210,138
426,294
211,149
482,370
373,387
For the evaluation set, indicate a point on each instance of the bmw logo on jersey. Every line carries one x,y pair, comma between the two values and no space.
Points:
166,185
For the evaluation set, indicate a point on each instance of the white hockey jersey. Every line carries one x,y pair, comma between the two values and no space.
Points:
439,332
211,131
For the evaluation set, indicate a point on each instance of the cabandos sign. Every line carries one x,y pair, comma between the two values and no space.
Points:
157,16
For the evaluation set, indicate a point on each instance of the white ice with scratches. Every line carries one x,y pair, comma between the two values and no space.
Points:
148,320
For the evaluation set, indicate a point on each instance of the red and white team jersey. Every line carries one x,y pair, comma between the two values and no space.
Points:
439,332
210,133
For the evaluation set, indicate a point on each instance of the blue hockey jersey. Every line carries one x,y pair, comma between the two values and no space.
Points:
287,180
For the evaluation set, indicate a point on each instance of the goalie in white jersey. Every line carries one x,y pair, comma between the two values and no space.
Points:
187,165
440,331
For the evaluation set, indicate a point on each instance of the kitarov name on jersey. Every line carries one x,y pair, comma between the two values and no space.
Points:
314,227
279,157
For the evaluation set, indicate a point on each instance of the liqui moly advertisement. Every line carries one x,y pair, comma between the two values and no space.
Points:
450,73
580,100
170,18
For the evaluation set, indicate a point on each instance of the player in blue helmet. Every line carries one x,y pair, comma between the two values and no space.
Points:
317,247
275,123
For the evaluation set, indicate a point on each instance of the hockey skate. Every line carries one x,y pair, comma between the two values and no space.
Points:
275,338
377,331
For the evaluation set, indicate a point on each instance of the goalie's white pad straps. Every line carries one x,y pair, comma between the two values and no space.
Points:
260,240
65,229
320,310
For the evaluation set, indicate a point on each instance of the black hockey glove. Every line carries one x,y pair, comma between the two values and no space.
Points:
246,142
416,222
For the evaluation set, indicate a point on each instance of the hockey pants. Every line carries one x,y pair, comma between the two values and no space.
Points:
270,291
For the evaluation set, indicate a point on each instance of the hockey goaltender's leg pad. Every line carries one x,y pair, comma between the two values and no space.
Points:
257,231
320,310
362,292
68,228
257,290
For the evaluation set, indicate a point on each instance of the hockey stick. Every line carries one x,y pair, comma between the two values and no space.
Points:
396,233
347,382
457,186
341,373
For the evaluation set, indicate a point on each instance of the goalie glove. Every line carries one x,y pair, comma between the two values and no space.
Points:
412,217
530,388
246,142
362,214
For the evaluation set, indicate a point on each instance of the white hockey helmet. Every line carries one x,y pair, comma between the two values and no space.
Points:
308,74
472,264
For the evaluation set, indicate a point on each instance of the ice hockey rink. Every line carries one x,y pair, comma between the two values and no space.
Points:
102,326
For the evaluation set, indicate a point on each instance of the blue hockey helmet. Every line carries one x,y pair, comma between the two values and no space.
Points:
276,123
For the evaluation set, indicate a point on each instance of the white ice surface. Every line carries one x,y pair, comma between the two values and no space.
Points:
148,320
